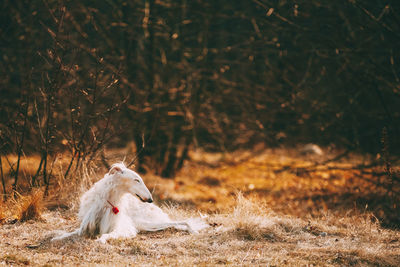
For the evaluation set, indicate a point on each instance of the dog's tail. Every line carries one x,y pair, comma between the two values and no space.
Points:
65,235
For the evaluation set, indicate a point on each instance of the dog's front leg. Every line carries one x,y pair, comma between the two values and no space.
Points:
103,238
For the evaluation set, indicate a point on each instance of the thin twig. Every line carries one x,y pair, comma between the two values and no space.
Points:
20,146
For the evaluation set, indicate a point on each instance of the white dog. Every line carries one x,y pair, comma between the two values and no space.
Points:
120,205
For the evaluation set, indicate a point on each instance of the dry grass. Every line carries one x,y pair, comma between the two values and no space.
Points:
250,234
22,208
275,221
29,207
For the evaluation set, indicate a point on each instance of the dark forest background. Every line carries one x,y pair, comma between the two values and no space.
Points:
220,75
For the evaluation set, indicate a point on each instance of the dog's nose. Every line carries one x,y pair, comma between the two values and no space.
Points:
150,200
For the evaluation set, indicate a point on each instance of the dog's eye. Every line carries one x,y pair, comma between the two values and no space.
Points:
137,181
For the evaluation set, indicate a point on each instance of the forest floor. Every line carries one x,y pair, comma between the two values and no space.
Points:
265,208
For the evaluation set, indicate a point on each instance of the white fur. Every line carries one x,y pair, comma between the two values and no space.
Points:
123,187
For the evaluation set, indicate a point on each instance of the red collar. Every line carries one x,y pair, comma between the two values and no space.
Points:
115,210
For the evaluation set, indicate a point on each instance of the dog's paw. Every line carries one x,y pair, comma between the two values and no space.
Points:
102,239
194,232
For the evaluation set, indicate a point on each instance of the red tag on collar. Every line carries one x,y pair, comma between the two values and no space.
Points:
115,210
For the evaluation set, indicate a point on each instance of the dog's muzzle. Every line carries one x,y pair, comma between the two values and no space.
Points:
149,200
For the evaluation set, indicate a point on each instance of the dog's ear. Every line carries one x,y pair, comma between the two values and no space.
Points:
115,169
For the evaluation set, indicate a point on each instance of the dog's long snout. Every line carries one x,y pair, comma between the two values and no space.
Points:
148,200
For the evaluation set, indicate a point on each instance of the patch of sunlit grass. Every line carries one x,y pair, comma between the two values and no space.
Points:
29,207
253,220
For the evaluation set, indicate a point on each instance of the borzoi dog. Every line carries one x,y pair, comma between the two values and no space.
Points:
120,205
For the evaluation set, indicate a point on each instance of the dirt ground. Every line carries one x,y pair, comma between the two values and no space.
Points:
264,209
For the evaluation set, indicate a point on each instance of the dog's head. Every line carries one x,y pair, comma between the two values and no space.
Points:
131,182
